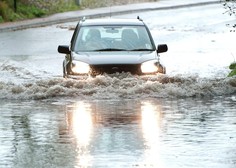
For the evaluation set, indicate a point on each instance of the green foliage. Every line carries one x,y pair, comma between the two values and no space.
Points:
6,12
232,73
1,19
64,8
27,11
94,3
232,67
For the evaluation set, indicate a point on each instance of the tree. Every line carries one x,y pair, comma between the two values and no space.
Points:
230,6
78,2
15,6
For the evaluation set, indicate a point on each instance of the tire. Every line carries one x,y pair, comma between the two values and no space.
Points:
161,69
64,70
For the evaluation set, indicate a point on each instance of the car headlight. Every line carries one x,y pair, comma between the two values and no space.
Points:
149,67
80,67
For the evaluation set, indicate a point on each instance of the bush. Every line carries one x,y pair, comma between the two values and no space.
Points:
26,10
232,67
1,19
7,12
4,10
31,11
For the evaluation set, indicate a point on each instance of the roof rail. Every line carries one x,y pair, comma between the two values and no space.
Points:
84,18
139,18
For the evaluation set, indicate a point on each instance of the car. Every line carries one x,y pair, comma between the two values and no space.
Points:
111,45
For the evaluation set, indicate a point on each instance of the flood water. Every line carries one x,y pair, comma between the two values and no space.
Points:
186,118
119,133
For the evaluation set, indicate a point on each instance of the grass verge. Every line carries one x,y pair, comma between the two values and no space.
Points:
7,13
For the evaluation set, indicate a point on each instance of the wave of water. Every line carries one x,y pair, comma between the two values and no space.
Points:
20,83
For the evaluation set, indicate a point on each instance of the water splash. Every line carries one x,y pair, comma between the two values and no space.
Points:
118,86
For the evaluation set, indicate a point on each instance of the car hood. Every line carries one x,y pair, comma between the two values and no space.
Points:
96,58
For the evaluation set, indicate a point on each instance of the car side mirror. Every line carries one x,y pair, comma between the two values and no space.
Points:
63,49
162,48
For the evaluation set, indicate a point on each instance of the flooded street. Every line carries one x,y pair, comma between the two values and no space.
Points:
119,133
186,118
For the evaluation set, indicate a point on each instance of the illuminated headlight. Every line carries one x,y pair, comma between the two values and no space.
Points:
80,67
149,67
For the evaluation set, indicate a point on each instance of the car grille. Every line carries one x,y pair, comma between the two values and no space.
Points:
109,69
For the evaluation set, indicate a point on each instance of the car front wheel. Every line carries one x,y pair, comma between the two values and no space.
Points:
161,69
64,70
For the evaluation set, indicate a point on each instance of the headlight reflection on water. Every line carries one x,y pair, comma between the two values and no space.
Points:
81,125
151,123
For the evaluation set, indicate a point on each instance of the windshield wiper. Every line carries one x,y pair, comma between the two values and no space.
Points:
111,49
141,49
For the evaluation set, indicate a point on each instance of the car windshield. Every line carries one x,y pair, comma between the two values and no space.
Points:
113,38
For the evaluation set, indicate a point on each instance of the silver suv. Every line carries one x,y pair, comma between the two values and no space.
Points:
101,46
